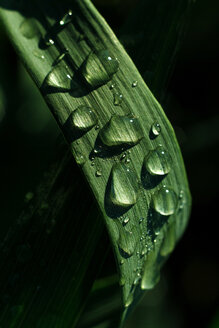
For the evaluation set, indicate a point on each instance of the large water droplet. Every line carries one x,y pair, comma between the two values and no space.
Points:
169,241
158,161
28,28
66,18
117,98
99,68
123,186
151,274
127,243
156,129
121,130
83,118
129,300
164,201
59,78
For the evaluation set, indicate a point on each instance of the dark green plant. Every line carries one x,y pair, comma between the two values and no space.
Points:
125,147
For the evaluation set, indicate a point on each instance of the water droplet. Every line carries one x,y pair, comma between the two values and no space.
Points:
122,281
123,187
164,201
151,274
127,243
48,40
134,84
60,58
28,28
117,98
83,118
156,129
123,156
66,18
136,281
144,251
99,68
158,161
112,86
80,159
98,173
129,300
141,220
92,163
38,54
127,161
121,262
58,78
168,241
97,127
121,130
125,220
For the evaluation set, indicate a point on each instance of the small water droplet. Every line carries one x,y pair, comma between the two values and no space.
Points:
66,18
38,54
158,161
141,220
144,251
151,274
136,280
98,173
117,98
134,84
28,28
169,241
125,220
97,127
129,300
121,262
123,187
99,68
112,86
121,130
164,201
92,163
123,156
127,161
60,58
83,118
80,159
127,243
156,129
59,78
48,40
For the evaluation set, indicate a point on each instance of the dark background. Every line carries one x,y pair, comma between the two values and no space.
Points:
187,294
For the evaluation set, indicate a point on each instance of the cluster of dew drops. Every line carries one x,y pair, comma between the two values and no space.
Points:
119,132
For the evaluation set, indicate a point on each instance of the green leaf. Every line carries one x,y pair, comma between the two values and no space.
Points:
144,219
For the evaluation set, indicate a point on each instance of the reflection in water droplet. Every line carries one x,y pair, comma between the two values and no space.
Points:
158,161
66,18
123,187
156,129
83,118
28,28
59,78
164,201
99,68
151,274
134,84
98,173
129,300
48,40
121,130
169,241
125,220
117,98
112,86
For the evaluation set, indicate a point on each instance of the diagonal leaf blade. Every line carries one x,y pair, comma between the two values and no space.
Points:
123,190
